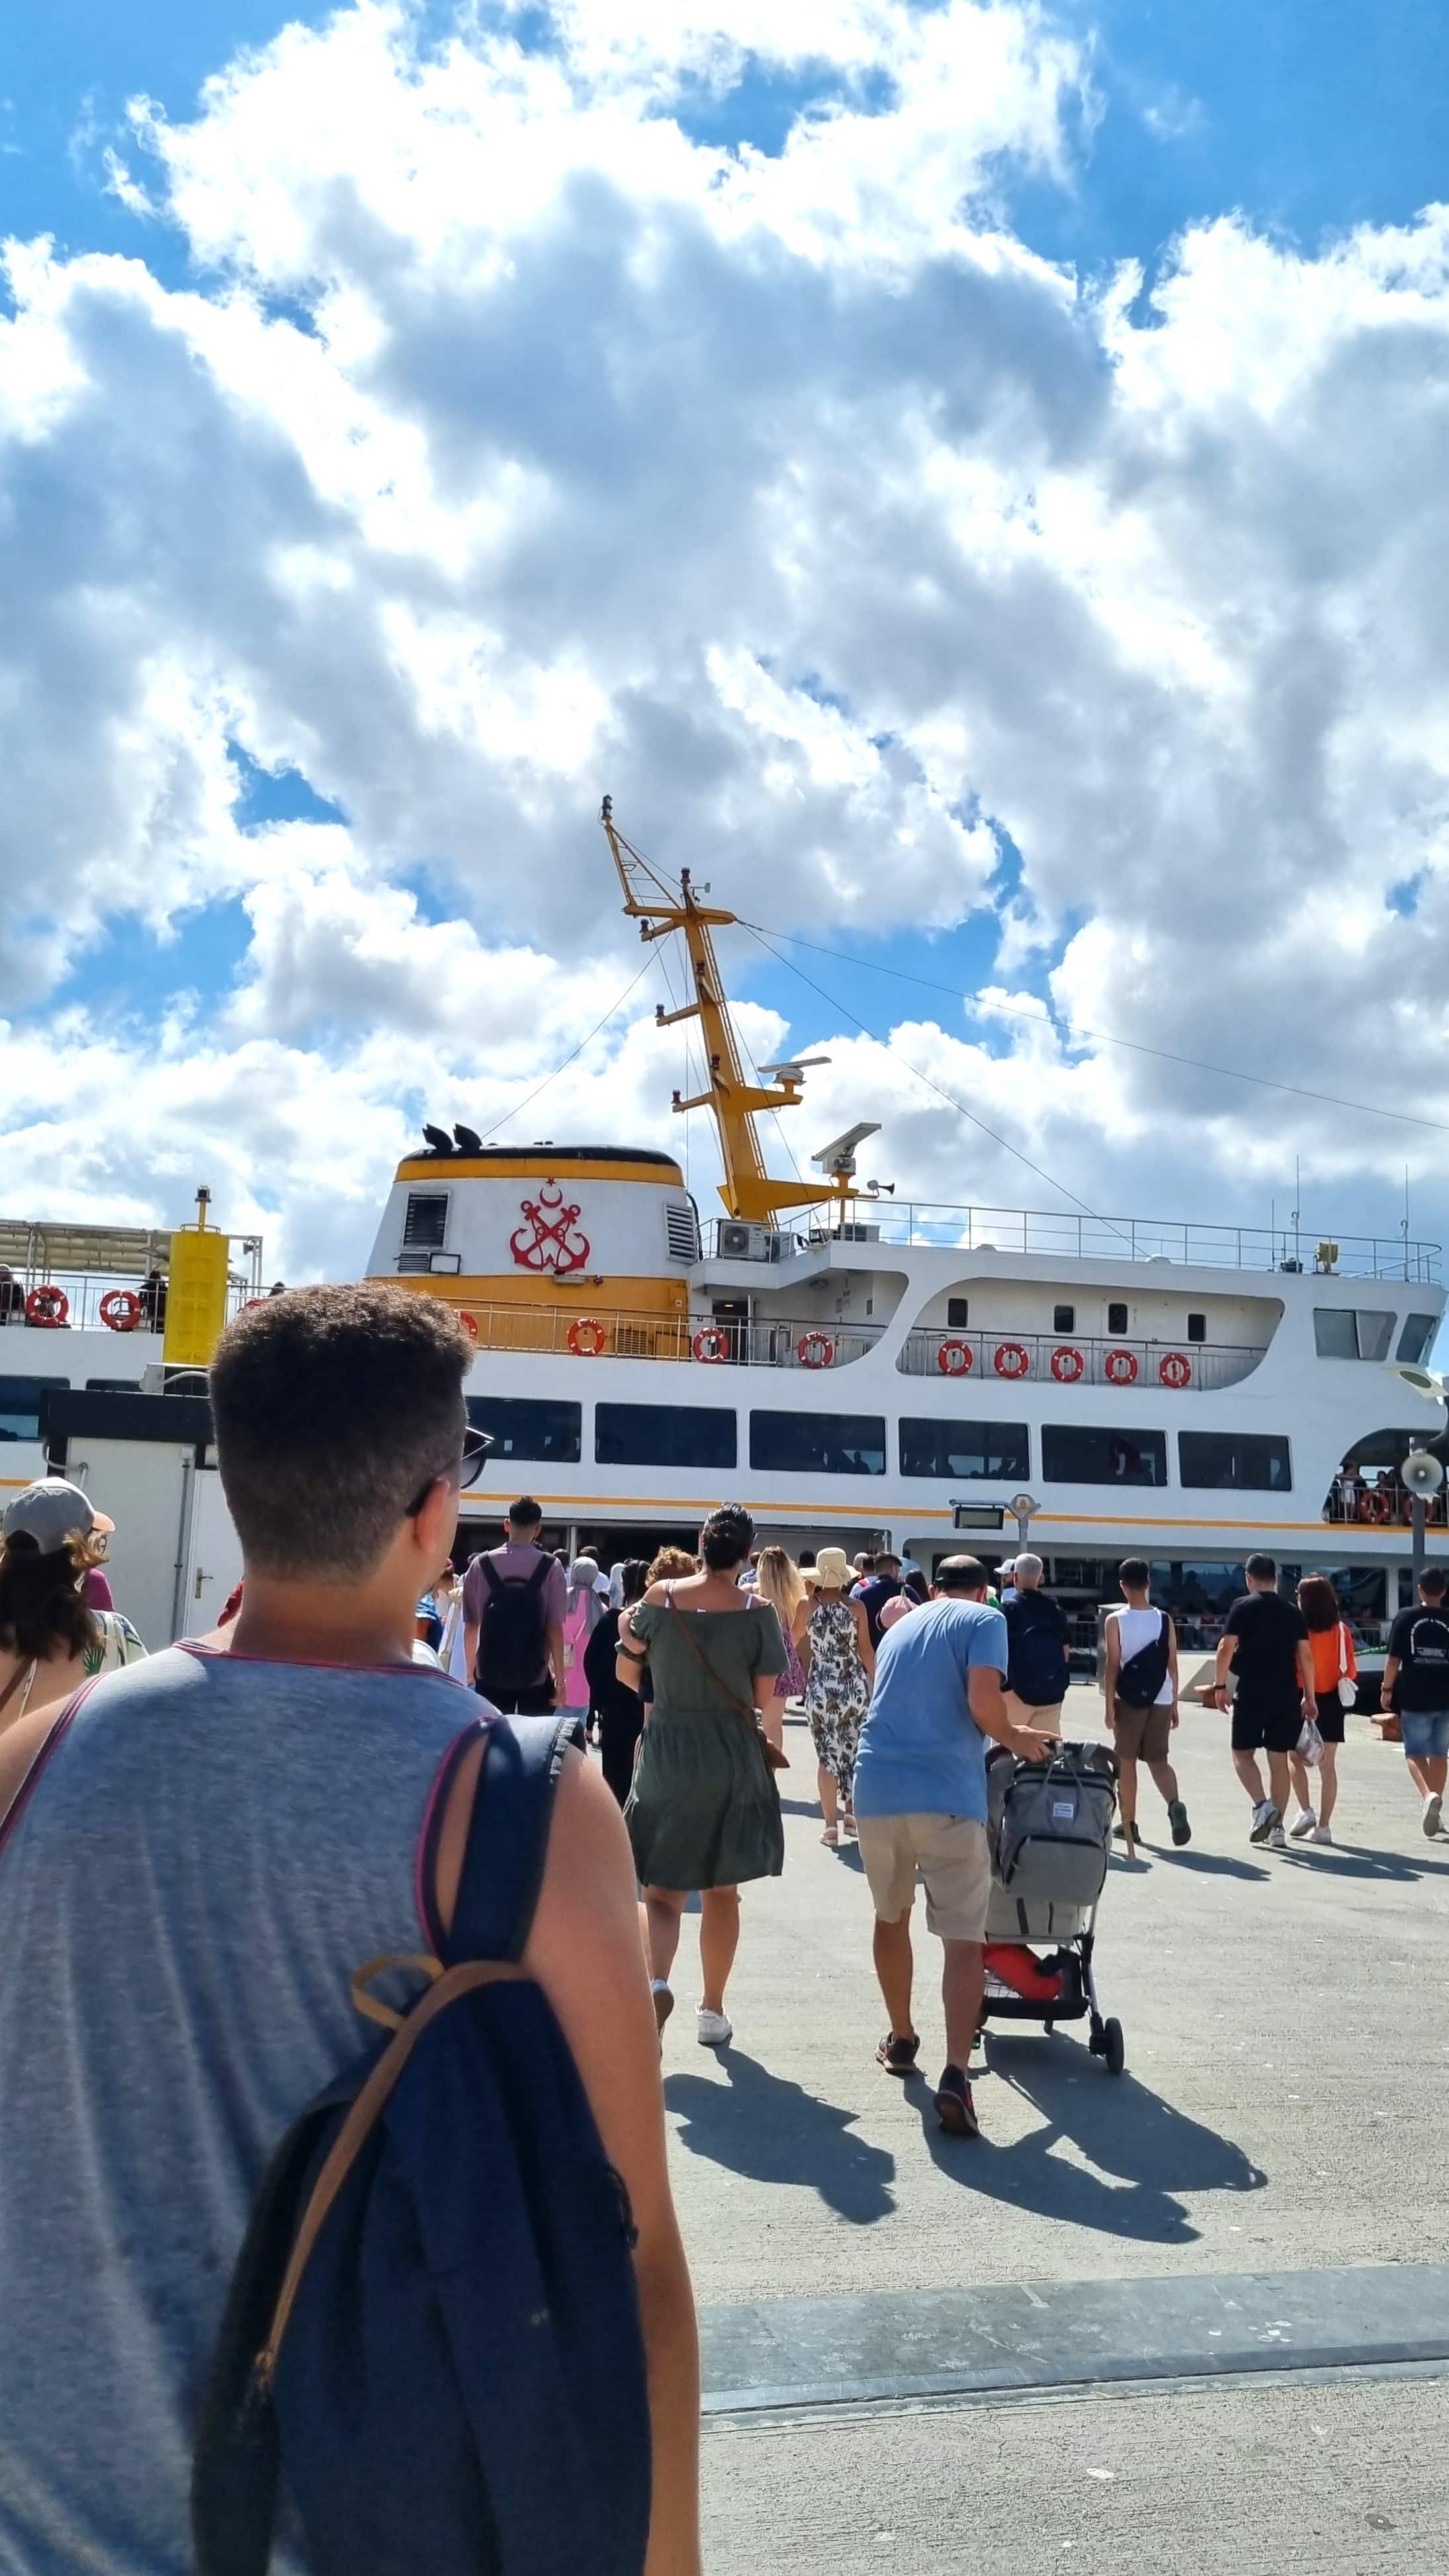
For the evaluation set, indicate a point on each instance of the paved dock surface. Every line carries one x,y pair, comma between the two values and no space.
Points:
1282,2116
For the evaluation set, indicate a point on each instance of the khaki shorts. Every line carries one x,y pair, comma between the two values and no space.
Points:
1143,1734
953,1857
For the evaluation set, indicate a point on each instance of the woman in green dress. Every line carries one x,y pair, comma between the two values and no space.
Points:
704,1812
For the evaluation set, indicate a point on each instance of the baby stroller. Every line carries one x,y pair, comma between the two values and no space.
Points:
1051,1836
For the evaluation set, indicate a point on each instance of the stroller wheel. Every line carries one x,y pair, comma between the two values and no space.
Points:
1114,2047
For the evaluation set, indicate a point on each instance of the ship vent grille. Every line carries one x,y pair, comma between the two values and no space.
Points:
682,1226
426,1221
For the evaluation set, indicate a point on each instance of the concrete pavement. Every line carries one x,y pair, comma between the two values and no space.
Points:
1284,2100
1283,2113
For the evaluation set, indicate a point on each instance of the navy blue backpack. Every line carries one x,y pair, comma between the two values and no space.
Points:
431,2344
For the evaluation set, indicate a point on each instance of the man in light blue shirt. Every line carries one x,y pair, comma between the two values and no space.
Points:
920,1804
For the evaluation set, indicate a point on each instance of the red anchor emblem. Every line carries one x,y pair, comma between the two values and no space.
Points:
549,1238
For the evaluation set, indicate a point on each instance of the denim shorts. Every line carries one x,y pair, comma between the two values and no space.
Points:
1426,1734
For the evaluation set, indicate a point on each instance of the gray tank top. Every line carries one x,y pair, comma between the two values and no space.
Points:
212,1848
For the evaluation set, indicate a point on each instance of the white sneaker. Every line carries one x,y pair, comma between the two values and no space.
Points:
713,2030
1304,1825
1433,1810
1265,1817
1277,1840
1323,1833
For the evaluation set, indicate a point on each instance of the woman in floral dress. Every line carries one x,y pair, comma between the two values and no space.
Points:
832,1639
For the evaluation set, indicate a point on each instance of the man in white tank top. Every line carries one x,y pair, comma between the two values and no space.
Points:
1141,1708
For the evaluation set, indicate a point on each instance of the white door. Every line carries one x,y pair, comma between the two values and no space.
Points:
213,1555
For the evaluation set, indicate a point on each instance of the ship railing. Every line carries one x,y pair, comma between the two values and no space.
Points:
1383,1506
1055,1235
95,1303
1064,1360
606,1332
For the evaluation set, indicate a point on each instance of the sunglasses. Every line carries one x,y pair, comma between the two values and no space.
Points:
476,1448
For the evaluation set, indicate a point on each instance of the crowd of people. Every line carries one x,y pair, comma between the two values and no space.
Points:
211,1856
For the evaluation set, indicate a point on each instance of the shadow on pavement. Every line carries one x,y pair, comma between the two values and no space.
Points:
1210,1864
762,2126
1144,2152
1353,1860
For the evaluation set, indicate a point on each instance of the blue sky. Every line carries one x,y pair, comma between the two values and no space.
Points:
1082,641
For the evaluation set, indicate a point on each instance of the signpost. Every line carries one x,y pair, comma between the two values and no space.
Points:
1023,1509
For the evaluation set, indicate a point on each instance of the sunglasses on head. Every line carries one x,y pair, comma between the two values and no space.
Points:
470,1467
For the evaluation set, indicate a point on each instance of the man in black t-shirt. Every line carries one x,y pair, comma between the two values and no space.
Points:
1265,1646
1416,1682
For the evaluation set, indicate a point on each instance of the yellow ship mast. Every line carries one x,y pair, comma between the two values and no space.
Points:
747,1189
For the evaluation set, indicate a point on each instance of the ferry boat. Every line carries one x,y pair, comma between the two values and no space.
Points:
854,1368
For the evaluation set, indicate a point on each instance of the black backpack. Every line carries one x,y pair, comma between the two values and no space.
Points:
512,1648
1036,1658
1141,1678
432,2334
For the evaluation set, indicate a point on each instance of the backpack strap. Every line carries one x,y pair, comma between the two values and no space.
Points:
507,1846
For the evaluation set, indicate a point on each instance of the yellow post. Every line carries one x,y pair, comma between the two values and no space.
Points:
195,1292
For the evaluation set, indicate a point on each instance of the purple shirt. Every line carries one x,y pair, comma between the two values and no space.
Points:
96,1591
515,1562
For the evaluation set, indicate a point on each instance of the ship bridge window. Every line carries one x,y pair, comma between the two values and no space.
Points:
1415,1339
1197,1328
818,1444
681,1227
1340,1333
527,1426
958,1314
1247,1462
1064,1319
968,1450
1082,1455
425,1222
1117,1317
20,1405
664,1435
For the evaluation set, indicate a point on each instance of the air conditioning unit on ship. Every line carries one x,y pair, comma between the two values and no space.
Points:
738,1242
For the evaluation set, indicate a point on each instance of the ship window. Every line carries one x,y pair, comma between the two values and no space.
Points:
113,1386
1064,1319
958,1314
426,1221
681,1227
1341,1334
20,1405
1087,1456
1415,1339
664,1435
1117,1318
1197,1328
963,1449
530,1426
818,1444
1250,1462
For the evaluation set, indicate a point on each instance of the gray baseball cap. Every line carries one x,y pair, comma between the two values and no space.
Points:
48,1512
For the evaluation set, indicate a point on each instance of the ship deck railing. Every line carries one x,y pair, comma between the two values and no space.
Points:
1048,1234
85,1293
1072,1359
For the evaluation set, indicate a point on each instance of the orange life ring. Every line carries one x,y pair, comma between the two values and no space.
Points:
955,1358
711,1344
815,1350
1011,1359
1067,1364
1175,1369
48,1307
121,1310
1119,1368
587,1337
469,1323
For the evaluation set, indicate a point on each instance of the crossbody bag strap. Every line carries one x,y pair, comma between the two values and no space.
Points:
25,1673
750,1715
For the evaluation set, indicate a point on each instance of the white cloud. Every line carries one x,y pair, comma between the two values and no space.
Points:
523,445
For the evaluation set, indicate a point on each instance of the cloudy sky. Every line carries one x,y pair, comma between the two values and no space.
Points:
969,480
